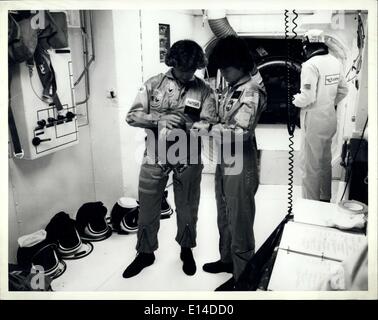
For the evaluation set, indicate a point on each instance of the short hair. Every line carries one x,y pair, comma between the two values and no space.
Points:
232,51
186,55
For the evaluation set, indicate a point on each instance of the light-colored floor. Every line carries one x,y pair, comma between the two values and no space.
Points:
102,269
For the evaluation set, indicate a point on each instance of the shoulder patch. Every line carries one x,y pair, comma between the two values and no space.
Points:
251,96
307,86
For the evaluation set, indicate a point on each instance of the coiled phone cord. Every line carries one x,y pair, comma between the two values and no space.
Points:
290,114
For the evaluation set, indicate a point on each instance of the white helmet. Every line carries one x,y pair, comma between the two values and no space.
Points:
314,35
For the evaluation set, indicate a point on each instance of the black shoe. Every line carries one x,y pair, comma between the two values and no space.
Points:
229,285
217,267
141,261
189,265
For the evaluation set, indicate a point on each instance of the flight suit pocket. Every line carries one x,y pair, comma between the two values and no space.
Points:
243,116
150,178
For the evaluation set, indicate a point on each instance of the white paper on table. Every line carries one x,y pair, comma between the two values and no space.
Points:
309,254
321,241
297,272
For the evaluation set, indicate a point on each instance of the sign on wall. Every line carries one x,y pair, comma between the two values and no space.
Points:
164,40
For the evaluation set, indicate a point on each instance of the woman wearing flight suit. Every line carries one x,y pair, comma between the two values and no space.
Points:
240,107
174,100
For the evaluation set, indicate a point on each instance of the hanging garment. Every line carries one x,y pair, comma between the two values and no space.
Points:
47,76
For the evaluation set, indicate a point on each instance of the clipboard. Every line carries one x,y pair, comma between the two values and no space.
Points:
308,254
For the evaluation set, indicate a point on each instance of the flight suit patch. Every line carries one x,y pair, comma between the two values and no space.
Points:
192,107
236,94
251,97
248,93
332,79
229,105
234,98
307,86
156,98
192,103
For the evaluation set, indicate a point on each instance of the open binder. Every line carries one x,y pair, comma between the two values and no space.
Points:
308,254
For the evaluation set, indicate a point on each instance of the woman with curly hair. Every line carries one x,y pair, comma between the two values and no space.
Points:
174,100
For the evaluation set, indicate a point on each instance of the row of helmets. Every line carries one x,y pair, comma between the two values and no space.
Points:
67,239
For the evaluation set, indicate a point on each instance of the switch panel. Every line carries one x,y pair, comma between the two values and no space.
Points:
42,130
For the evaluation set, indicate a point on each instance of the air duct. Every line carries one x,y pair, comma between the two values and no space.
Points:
219,24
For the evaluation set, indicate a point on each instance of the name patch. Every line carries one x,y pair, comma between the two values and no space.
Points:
332,79
192,103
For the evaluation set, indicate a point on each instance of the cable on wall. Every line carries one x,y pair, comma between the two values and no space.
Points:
141,44
290,113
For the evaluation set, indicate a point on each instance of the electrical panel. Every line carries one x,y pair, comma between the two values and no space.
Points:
41,129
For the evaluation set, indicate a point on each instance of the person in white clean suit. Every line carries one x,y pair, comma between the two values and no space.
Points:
323,86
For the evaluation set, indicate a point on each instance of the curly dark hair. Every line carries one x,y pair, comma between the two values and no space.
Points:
186,55
232,51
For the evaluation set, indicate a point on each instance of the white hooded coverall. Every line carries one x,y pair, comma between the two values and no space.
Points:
323,86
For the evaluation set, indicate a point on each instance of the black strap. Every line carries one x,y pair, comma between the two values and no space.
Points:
55,97
47,78
17,149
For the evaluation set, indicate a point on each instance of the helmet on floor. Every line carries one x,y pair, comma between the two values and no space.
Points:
61,230
36,252
124,215
91,222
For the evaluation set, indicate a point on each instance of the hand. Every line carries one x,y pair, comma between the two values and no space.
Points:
200,125
172,121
